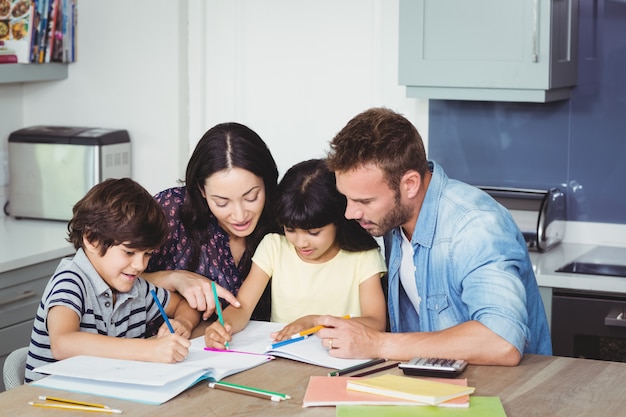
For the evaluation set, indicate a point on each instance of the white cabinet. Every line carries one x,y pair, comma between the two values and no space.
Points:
495,50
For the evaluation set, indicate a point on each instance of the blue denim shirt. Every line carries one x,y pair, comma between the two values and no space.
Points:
471,264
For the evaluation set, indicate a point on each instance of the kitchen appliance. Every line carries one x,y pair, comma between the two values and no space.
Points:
540,214
52,167
591,324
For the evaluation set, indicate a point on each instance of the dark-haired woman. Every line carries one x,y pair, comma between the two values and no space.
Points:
217,219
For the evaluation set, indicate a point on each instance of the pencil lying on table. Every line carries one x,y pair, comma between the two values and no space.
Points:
355,368
253,392
68,406
74,402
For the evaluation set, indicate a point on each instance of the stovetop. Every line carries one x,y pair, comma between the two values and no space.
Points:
601,260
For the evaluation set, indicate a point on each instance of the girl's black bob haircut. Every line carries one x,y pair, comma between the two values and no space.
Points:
307,198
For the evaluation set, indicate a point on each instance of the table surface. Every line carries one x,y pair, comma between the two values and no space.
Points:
539,386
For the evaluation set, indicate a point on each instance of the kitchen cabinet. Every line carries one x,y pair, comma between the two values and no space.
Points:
30,251
488,50
20,73
20,293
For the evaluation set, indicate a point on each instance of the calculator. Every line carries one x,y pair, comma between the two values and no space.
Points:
437,367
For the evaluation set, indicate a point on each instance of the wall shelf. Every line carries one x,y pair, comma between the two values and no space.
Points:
21,73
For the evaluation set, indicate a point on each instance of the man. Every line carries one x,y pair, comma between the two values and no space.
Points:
461,284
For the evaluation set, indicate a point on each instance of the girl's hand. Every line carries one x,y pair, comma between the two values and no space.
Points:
216,335
170,348
303,323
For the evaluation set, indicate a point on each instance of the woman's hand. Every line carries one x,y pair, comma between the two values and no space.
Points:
197,291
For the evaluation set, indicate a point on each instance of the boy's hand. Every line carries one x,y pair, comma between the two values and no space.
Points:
170,348
216,335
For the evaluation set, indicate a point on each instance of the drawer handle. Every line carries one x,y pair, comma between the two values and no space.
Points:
616,318
23,296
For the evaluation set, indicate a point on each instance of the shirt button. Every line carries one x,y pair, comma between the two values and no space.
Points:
107,304
107,295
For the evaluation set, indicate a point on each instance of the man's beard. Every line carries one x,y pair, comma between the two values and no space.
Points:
397,216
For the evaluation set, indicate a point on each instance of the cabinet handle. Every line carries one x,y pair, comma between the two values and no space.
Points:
23,296
615,318
535,56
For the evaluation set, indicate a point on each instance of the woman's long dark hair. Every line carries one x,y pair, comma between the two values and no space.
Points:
225,146
307,198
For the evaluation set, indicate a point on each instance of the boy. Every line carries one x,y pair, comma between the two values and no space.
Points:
95,303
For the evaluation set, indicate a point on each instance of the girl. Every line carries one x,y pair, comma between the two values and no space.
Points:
217,219
323,264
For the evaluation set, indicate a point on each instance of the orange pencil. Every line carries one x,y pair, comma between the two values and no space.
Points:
313,329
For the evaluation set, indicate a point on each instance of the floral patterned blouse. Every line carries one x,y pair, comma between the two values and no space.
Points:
216,261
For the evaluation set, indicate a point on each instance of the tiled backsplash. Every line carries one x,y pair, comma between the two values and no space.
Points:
577,144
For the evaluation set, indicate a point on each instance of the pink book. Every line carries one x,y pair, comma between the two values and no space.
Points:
331,391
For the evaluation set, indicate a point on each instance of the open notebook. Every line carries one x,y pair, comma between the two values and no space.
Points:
145,382
256,338
156,383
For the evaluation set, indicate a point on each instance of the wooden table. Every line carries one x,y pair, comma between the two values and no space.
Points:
539,386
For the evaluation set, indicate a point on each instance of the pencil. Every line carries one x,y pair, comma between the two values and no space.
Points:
355,368
373,371
253,392
285,342
313,329
75,407
158,303
75,402
218,308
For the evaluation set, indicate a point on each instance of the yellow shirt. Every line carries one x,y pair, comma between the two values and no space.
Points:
300,288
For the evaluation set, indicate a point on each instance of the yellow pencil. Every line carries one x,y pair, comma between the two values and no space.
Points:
75,407
313,329
74,402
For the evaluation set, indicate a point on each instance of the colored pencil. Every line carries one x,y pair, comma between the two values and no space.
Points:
355,368
254,392
313,329
373,371
218,307
162,310
75,407
75,402
285,342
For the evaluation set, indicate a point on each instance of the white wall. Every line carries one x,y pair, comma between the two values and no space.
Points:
295,71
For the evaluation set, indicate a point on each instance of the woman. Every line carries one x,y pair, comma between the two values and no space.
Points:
217,219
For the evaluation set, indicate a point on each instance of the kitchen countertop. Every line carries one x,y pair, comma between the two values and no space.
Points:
545,265
28,242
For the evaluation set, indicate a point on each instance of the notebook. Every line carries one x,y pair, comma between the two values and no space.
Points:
156,383
409,388
255,338
332,391
479,407
145,382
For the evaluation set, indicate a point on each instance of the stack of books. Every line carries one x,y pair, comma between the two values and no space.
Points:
39,31
397,396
